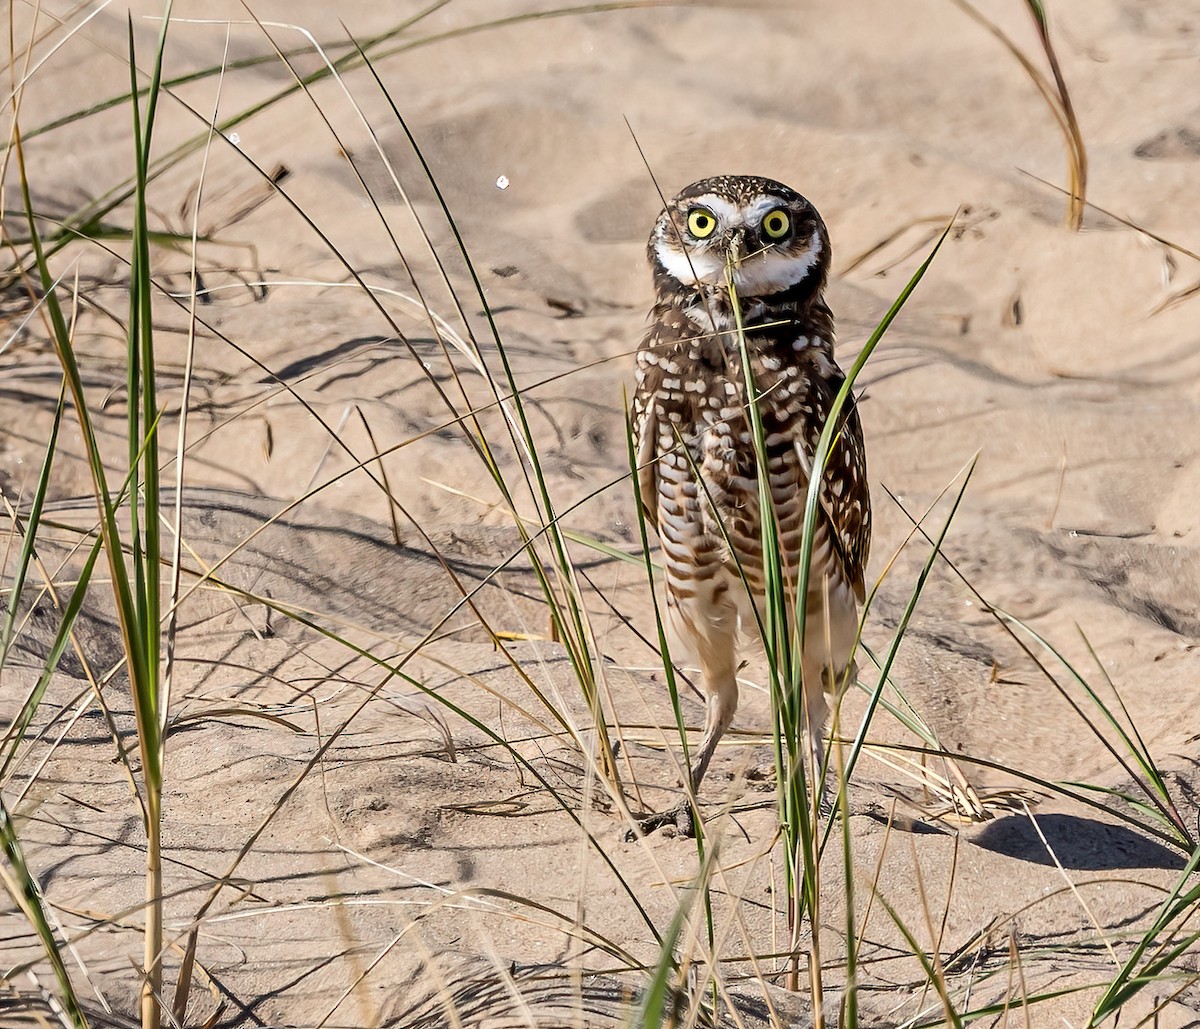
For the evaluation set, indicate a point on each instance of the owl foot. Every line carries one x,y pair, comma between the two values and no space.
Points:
679,818
826,805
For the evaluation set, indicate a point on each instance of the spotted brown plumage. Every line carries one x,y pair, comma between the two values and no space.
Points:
754,243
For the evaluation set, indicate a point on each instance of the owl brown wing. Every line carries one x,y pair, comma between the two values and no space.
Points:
645,435
845,496
851,510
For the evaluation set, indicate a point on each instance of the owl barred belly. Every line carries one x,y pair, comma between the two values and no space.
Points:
697,469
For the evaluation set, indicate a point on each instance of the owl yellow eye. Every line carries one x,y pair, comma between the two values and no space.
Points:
701,222
776,224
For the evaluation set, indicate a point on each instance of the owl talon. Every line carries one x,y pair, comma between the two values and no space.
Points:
679,818
825,807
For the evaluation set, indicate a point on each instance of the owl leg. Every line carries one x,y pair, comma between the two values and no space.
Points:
709,623
831,625
705,620
817,677
719,673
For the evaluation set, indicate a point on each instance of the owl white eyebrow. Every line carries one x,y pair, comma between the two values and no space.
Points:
763,205
727,214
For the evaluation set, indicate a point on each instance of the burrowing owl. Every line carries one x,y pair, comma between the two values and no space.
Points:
698,475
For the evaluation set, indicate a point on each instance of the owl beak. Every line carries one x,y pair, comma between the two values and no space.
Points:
735,247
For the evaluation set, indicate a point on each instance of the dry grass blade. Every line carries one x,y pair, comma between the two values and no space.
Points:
183,982
1073,135
949,797
1057,97
1072,886
933,225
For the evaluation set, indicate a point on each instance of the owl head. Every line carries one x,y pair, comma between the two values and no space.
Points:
769,237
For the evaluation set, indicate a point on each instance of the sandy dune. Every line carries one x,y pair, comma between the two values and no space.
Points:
393,831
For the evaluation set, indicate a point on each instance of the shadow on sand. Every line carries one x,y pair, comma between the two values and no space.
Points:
1081,844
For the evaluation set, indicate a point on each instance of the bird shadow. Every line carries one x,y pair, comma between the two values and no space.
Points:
1080,844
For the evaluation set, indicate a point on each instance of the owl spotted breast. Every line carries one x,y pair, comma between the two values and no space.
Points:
697,468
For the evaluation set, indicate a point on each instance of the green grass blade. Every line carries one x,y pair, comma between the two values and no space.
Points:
1155,790
62,637
29,532
1003,1007
905,618
146,613
1137,745
931,971
669,674
568,614
65,351
658,1002
825,443
27,895
1129,980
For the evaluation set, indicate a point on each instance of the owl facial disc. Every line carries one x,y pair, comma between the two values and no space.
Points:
766,236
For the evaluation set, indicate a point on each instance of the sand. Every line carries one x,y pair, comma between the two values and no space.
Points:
388,834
